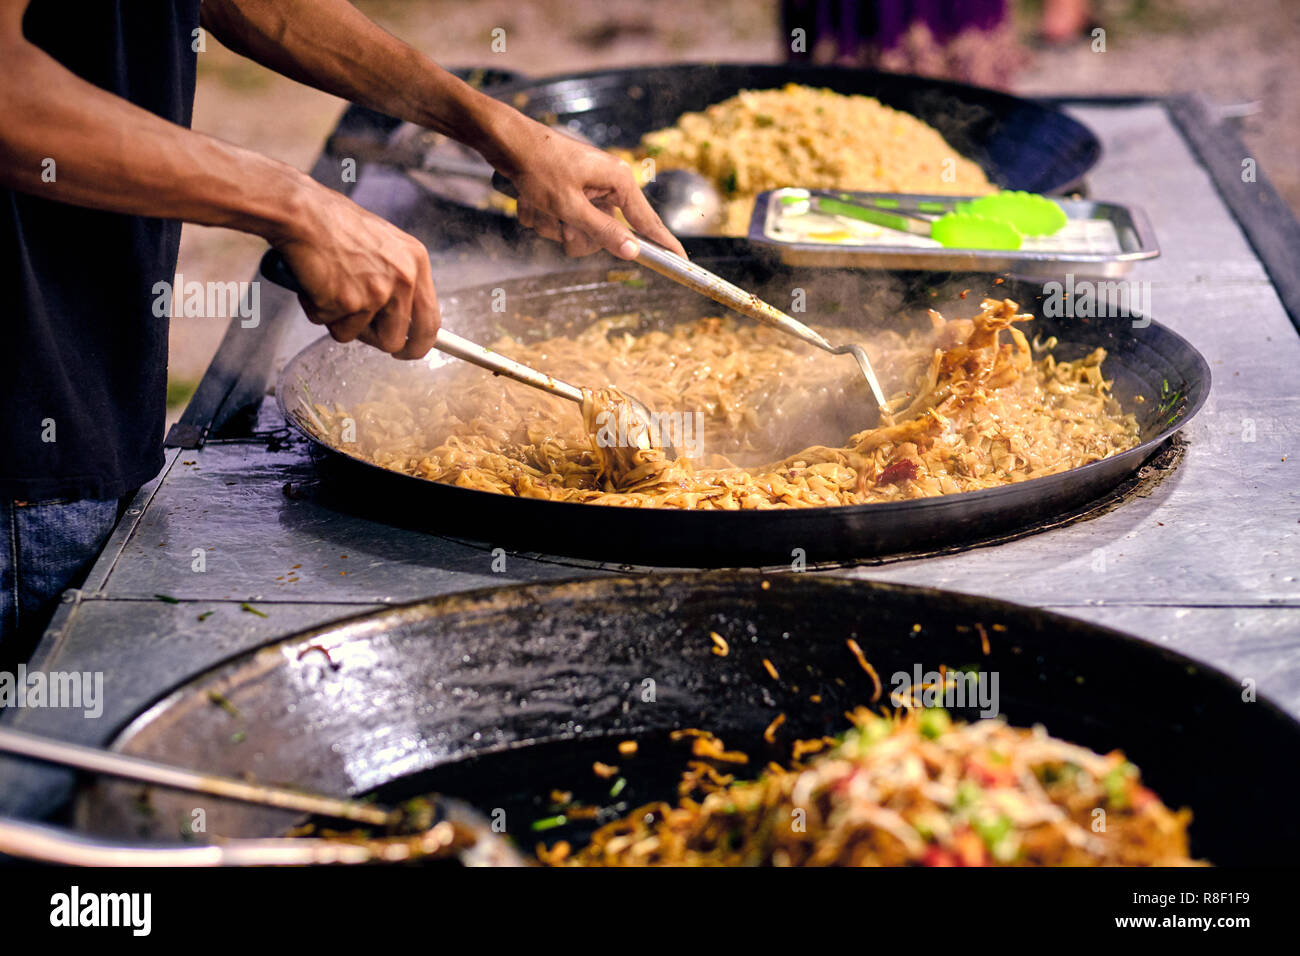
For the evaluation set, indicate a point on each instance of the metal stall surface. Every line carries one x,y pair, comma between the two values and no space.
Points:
234,545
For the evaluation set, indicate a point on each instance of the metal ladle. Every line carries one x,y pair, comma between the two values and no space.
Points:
687,202
275,268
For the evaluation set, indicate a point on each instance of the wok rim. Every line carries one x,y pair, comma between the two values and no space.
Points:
1092,148
724,580
1139,454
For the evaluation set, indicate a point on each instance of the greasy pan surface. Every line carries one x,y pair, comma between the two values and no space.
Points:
1141,360
1019,144
500,696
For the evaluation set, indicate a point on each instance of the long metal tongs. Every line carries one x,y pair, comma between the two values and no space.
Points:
701,280
462,832
276,268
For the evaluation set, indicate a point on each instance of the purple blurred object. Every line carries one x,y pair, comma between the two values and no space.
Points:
859,28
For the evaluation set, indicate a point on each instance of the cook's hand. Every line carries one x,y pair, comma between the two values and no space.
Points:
363,277
568,192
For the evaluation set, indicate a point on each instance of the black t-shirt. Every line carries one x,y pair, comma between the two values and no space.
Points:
83,361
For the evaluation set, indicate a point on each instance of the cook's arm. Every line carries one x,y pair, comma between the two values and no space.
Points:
331,45
366,278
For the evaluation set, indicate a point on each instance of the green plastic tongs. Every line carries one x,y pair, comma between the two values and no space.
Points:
999,221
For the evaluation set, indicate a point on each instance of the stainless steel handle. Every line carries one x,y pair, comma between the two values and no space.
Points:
276,268
701,280
147,771
47,844
687,273
484,357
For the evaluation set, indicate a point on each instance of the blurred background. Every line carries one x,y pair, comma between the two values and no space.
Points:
1243,56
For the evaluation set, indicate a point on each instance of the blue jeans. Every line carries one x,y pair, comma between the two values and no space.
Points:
46,547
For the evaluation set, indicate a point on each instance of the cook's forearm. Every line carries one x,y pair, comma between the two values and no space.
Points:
332,46
108,154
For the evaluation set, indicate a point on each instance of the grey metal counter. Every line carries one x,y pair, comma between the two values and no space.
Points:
1208,562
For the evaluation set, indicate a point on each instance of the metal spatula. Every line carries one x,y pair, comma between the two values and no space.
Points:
701,280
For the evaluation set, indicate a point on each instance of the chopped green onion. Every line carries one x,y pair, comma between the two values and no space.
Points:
992,832
998,837
934,723
1116,784
968,794
550,823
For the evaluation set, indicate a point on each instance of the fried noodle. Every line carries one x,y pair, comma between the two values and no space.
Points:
973,407
813,138
914,789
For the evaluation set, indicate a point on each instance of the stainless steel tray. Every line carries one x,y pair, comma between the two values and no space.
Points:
1101,239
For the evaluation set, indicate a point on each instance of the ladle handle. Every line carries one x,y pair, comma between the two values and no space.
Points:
276,268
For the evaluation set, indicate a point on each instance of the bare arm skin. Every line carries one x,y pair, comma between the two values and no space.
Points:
364,277
331,45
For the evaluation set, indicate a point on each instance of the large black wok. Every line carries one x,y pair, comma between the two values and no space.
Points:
1020,144
500,696
1146,360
